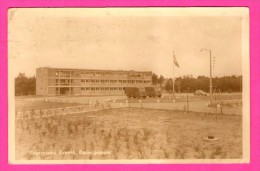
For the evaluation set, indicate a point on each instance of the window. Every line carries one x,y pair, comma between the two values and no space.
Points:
92,89
97,88
82,81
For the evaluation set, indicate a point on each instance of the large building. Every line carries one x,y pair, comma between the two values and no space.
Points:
65,81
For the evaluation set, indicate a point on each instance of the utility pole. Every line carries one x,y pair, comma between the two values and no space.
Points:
210,66
188,100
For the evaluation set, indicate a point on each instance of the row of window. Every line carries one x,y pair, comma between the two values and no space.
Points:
115,81
98,73
67,74
113,73
102,73
101,88
63,73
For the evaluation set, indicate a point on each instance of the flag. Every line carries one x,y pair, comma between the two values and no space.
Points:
175,61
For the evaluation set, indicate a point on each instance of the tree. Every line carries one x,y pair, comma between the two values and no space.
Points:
24,85
177,85
160,80
168,85
223,84
154,79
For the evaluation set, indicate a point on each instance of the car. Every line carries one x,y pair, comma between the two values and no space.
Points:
200,93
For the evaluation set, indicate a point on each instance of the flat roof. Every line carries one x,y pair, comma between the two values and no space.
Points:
91,69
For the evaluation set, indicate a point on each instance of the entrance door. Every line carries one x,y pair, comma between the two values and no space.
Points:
64,90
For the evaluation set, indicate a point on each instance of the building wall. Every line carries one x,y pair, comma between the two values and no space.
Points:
51,91
76,90
42,81
58,81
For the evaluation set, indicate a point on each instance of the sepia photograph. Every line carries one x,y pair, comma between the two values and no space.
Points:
128,85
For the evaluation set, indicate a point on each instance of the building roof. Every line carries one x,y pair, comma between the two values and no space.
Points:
93,69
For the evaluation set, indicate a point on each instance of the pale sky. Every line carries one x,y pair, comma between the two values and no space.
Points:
125,39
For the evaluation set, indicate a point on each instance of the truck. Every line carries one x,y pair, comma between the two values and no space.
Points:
142,92
153,91
135,92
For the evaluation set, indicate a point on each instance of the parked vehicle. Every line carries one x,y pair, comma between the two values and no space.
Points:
142,92
200,93
158,92
150,91
135,92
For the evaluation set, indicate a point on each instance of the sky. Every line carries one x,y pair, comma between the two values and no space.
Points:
126,39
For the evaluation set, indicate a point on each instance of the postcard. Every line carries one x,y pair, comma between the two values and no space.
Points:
128,85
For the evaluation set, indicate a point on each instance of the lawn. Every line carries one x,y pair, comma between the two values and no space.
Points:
35,105
129,133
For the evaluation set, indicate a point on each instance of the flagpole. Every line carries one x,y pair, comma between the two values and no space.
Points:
173,79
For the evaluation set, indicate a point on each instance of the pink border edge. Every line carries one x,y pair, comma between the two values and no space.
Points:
254,7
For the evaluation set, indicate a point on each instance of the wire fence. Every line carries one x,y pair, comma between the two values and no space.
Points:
89,106
43,113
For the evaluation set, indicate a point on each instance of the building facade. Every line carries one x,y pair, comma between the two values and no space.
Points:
64,81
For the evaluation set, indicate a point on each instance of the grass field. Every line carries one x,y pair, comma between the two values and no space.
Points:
129,133
34,105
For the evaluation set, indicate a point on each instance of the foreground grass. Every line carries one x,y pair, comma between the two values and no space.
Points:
130,133
34,105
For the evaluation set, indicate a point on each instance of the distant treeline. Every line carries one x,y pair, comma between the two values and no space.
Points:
27,85
190,84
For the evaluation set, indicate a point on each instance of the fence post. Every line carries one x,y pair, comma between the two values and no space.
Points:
187,103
